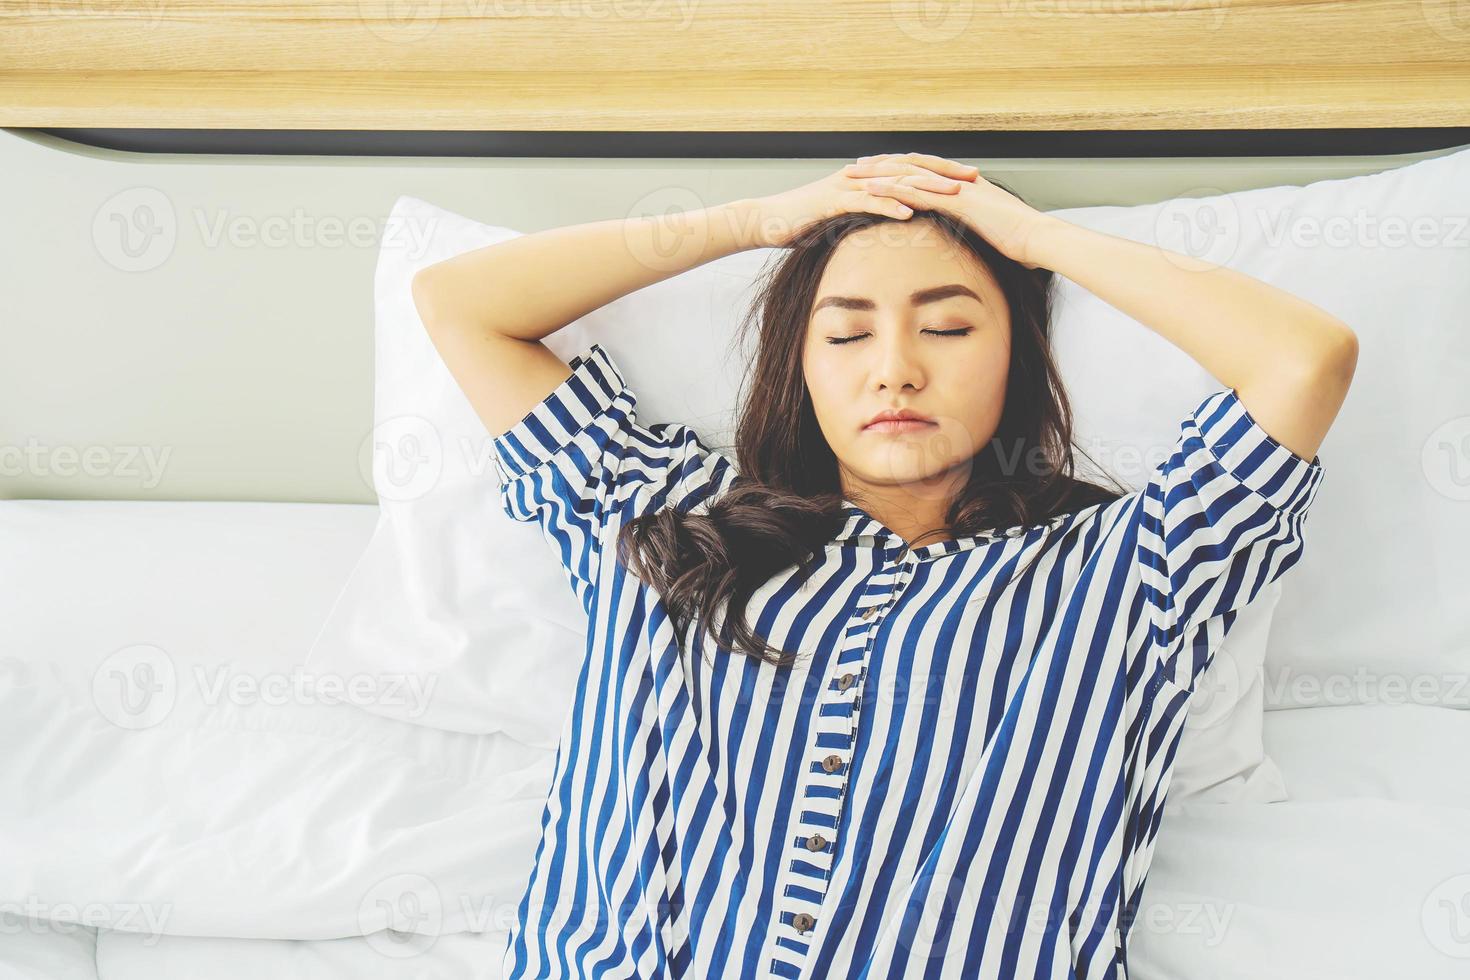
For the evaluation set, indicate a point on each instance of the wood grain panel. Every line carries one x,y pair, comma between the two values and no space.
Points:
674,65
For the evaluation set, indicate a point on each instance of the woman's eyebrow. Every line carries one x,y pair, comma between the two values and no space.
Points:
932,294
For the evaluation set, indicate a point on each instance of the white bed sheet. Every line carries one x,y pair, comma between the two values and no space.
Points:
459,956
1352,889
268,815
267,826
1408,752
31,949
1316,890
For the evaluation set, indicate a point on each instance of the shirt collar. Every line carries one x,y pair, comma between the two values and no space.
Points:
860,527
857,524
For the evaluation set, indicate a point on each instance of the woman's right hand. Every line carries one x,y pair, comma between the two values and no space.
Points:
784,216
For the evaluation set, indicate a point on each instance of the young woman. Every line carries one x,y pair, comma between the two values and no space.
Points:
877,697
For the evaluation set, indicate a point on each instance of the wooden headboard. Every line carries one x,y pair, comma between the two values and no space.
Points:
735,65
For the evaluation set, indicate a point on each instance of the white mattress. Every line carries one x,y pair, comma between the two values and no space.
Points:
268,833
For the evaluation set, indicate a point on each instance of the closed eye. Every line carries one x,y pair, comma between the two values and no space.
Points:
957,332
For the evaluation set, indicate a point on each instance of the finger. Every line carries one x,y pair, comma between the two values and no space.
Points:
895,168
879,205
890,207
881,168
912,175
950,168
896,188
942,165
924,180
893,203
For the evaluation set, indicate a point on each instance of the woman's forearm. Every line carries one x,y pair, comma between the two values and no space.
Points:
1238,328
531,286
1290,361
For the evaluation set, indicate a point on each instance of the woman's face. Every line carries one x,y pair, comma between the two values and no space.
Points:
906,319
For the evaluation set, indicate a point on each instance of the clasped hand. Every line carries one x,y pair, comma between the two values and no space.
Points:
896,185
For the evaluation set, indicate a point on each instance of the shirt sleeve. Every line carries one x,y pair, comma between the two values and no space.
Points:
1220,519
579,464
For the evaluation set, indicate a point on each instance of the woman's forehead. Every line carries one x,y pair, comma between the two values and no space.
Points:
891,267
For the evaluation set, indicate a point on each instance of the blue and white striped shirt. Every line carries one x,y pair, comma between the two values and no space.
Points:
963,775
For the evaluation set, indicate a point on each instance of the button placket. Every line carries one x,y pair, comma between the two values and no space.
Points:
813,849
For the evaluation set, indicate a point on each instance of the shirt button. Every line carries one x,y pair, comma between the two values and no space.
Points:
802,921
816,842
845,681
870,612
832,763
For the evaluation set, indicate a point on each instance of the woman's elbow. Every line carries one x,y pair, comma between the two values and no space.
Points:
1327,358
1340,361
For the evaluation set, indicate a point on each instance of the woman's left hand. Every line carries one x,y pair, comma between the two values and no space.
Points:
1003,219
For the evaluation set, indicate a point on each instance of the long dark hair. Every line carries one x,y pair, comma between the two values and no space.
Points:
786,503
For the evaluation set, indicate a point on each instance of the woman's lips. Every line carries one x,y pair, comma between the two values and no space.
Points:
896,426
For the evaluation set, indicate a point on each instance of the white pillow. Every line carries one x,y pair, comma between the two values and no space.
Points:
1222,752
1376,604
672,341
451,589
442,591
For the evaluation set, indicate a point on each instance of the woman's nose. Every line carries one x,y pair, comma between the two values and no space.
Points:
897,367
